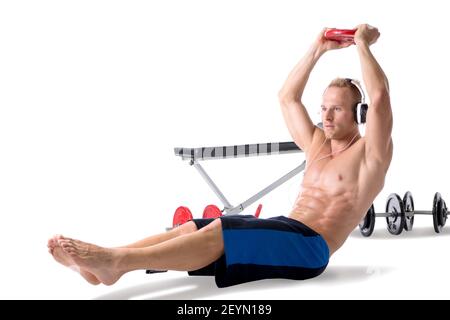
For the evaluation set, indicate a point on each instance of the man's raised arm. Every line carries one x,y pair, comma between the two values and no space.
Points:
379,115
294,112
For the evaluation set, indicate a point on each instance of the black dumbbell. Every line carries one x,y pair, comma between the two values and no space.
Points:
400,214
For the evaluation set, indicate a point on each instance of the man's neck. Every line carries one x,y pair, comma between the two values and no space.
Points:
339,145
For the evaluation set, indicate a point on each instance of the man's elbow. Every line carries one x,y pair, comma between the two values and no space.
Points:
286,99
381,98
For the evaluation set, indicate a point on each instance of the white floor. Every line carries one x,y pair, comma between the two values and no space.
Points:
410,266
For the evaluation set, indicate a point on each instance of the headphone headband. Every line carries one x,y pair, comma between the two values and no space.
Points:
358,86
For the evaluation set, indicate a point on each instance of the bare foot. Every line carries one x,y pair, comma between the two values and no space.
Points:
101,262
66,260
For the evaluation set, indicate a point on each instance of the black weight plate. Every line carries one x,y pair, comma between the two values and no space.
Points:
396,220
367,224
408,203
437,212
442,216
444,213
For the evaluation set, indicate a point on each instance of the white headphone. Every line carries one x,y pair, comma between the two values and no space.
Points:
360,110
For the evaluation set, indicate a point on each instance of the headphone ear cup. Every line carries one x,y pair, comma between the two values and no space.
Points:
363,107
360,113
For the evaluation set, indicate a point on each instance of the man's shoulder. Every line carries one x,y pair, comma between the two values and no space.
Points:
318,137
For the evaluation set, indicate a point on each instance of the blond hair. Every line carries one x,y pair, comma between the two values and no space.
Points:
347,83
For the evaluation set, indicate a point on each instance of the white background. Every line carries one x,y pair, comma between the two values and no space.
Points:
94,96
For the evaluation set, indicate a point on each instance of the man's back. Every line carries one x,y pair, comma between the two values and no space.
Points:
338,190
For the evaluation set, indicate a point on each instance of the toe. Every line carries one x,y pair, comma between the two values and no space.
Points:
51,243
64,244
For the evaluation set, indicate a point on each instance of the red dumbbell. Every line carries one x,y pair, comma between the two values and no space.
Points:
341,35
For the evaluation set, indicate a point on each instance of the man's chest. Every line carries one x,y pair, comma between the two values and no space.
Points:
336,174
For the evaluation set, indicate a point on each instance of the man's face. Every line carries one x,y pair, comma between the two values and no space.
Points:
337,112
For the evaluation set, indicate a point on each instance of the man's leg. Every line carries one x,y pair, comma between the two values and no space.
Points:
186,228
65,259
186,252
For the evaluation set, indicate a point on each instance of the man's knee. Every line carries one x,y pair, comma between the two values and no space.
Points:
215,226
213,233
186,228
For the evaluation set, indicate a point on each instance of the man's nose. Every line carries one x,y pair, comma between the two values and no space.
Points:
329,114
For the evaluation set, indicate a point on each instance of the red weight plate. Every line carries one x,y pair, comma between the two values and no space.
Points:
181,216
211,211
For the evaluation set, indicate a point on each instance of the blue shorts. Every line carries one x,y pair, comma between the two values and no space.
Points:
257,249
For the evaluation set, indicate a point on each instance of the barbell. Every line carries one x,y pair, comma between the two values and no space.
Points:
400,214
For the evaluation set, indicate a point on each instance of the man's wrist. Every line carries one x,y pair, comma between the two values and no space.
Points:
361,44
317,50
